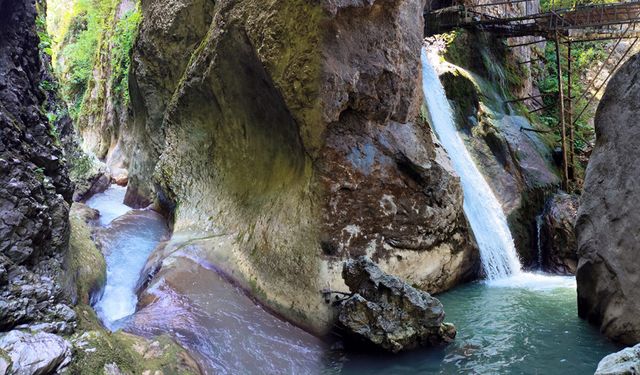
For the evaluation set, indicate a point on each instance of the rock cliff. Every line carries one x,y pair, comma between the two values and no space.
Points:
608,221
284,147
35,189
558,244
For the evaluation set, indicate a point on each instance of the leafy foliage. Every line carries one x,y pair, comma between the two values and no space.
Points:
125,33
82,32
584,57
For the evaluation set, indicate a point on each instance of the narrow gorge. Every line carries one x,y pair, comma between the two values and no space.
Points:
317,187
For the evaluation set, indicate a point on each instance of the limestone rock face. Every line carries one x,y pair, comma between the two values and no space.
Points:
289,147
558,236
169,33
624,362
34,185
35,354
388,312
608,221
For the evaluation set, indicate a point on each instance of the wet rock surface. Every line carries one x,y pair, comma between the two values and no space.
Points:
35,354
387,312
608,218
34,185
624,362
169,32
558,237
517,162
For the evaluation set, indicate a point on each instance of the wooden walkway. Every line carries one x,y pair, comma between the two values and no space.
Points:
584,22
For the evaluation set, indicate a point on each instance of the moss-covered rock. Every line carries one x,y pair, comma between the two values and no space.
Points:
85,265
97,351
5,362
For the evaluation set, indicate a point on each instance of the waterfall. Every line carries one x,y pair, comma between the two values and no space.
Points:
484,212
539,239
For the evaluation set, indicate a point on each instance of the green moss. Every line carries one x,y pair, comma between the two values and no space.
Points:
39,173
125,32
96,348
459,87
85,263
46,43
82,167
496,64
84,33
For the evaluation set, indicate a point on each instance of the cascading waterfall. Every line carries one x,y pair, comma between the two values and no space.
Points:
539,239
485,215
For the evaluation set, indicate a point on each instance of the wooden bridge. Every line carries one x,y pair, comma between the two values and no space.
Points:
580,23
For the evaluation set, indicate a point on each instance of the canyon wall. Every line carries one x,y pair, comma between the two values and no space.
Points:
283,147
35,189
104,115
608,223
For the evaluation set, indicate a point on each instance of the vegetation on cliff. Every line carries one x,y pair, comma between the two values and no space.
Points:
82,31
587,57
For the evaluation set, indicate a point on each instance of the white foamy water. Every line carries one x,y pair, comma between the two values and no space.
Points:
128,237
484,212
109,203
534,281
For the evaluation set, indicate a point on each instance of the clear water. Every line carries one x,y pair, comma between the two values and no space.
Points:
127,243
110,204
226,331
127,239
484,212
502,330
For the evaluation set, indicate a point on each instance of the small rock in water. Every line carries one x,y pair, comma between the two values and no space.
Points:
390,313
34,354
624,362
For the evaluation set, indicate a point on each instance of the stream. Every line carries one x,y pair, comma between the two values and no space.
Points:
220,325
512,323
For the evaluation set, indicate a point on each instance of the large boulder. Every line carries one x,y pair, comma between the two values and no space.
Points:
35,354
387,312
608,223
557,234
289,147
624,362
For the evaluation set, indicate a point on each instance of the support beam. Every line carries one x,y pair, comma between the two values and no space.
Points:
572,144
563,129
530,97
